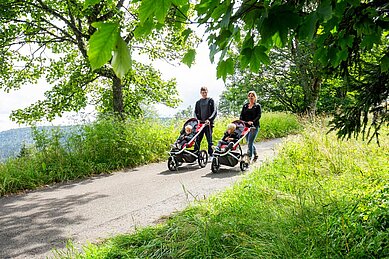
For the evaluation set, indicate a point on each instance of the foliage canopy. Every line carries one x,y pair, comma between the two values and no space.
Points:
86,50
341,32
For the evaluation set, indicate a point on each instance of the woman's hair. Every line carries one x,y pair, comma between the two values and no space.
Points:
253,93
231,126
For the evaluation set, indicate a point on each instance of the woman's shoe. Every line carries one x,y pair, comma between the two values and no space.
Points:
255,158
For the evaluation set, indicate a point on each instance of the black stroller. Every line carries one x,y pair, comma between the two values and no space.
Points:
234,155
184,154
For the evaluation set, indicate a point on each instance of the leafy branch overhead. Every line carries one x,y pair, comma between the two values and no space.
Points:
84,49
243,33
152,15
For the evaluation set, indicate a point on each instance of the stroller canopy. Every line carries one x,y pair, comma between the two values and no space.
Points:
192,122
240,127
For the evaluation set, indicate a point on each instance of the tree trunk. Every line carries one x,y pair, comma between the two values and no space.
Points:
311,96
117,94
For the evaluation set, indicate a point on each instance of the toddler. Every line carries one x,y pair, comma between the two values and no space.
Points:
229,138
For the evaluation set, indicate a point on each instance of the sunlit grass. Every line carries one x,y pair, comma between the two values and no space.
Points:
320,198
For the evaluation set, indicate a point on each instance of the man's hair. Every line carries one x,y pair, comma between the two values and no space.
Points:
203,88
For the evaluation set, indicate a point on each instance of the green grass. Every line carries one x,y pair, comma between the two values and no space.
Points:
106,146
320,198
101,147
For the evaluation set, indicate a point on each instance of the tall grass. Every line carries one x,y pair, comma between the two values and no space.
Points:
102,147
320,198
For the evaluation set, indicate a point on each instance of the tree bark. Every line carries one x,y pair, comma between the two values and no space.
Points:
117,90
311,96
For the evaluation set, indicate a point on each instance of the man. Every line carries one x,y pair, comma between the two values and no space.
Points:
205,111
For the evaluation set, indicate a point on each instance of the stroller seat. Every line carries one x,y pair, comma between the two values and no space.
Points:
233,155
184,154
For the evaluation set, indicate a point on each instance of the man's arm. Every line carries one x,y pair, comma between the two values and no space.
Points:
197,110
212,110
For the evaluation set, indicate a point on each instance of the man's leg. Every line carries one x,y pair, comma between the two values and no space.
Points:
208,135
198,140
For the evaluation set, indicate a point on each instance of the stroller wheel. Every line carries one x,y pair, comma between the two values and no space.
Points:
172,163
215,165
243,165
203,158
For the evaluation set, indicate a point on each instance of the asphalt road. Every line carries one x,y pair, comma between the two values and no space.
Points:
32,224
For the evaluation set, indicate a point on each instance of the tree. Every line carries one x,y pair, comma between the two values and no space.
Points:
341,31
51,39
185,113
292,82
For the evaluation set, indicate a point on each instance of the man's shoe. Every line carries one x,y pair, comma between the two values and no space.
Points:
255,158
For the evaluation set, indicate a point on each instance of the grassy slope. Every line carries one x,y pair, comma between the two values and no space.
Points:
320,198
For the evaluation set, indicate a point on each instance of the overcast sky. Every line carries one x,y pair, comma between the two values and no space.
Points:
189,81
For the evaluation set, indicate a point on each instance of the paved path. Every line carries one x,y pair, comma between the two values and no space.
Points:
90,210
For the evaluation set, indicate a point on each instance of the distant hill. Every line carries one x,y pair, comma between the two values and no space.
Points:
11,141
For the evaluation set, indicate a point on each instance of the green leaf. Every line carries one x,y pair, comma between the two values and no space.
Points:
245,57
142,30
218,11
308,27
162,10
277,40
189,57
205,6
248,42
102,43
324,10
224,68
259,56
384,63
230,66
212,51
180,2
250,17
88,3
342,55
121,61
186,33
226,18
223,39
321,55
346,41
146,10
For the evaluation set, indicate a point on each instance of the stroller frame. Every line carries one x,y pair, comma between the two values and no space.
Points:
185,155
234,155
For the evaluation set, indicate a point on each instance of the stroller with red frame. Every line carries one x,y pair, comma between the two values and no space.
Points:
185,154
234,155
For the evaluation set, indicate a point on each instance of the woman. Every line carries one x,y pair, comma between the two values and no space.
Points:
250,114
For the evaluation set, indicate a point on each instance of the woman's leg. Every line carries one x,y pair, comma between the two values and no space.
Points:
250,141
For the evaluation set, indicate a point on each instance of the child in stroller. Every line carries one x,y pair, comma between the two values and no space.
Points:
181,151
229,138
231,154
184,138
